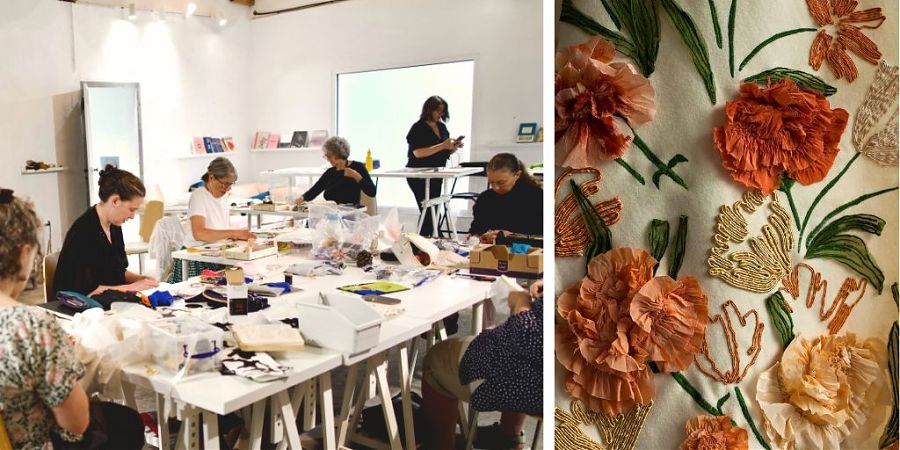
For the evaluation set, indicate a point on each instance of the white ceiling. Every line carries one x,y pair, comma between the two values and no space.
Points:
204,7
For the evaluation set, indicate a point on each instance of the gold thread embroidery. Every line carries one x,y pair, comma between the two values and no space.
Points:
735,375
880,146
571,234
568,434
619,432
791,285
768,260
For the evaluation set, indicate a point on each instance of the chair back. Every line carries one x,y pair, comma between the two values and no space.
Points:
370,203
153,211
49,272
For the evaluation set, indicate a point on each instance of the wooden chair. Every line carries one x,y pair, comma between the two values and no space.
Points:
50,262
153,211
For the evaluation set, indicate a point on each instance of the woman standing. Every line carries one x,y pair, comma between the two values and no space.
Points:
93,256
430,146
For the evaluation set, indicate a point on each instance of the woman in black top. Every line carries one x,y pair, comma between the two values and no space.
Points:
93,257
513,204
344,181
429,146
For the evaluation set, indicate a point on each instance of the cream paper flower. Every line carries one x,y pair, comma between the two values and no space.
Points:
822,391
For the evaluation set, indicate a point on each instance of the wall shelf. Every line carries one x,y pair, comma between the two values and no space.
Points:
35,172
513,144
285,150
207,155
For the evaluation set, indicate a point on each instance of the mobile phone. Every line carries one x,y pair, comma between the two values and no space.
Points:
461,137
384,300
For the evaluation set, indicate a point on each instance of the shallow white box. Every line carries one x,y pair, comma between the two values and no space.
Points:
345,324
177,338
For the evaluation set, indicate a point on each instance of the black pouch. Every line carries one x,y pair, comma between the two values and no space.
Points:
107,297
373,419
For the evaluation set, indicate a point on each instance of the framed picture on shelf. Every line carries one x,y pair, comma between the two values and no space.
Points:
299,139
317,137
527,132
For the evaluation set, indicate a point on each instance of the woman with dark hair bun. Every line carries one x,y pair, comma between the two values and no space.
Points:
430,146
93,256
513,204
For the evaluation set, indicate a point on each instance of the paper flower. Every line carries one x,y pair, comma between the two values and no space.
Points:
778,131
617,320
674,316
850,37
596,100
822,391
713,433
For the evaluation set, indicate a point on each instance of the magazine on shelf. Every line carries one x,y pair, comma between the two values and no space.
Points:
299,139
198,147
317,138
261,140
228,144
274,139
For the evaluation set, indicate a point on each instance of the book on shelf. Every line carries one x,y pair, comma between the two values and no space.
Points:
198,147
317,138
274,139
299,139
207,144
261,140
228,144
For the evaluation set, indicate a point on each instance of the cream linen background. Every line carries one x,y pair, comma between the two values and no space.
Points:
683,124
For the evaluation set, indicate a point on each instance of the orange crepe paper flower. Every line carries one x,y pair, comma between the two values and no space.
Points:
826,47
778,131
596,101
713,433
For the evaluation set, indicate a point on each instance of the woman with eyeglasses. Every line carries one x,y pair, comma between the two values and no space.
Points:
513,204
345,180
93,257
208,208
44,405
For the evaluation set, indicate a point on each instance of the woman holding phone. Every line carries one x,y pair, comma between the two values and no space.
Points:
430,146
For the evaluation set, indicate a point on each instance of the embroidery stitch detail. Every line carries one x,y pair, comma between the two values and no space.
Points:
571,234
768,260
881,99
791,285
735,375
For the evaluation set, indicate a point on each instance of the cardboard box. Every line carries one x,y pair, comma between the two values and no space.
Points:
497,260
250,251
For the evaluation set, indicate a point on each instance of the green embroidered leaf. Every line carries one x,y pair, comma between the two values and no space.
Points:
781,318
678,247
638,19
658,239
732,14
571,15
894,293
715,21
770,40
844,207
804,80
890,435
662,168
695,44
613,14
723,400
850,251
678,158
749,418
601,238
859,222
637,176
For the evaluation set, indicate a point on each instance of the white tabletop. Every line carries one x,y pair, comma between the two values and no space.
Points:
308,171
223,394
425,172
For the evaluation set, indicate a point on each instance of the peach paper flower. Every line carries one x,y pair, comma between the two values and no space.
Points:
596,100
822,391
778,131
713,433
615,322
849,37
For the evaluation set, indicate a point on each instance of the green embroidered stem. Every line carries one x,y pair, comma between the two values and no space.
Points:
845,206
658,240
662,167
612,13
571,15
890,435
715,21
731,18
746,411
637,176
786,185
692,391
822,194
678,247
770,40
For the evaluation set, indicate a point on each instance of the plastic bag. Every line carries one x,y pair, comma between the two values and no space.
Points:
499,291
341,232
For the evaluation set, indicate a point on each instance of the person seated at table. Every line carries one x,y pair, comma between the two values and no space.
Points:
93,257
507,361
344,181
512,204
43,402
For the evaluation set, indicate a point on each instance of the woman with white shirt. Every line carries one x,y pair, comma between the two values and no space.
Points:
209,213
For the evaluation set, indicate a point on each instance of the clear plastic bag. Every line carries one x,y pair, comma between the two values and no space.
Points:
341,232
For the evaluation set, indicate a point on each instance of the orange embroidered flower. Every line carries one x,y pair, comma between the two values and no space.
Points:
617,320
778,131
849,36
595,97
713,433
673,314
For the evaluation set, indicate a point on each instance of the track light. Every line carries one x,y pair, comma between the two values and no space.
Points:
190,9
132,12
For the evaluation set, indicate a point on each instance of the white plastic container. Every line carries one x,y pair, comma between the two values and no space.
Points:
345,324
176,339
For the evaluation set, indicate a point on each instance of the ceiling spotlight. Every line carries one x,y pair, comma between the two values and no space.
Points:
221,18
132,12
190,9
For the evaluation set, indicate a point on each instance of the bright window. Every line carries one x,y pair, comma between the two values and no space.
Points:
376,108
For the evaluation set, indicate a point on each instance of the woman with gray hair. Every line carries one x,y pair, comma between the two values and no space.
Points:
344,181
208,208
